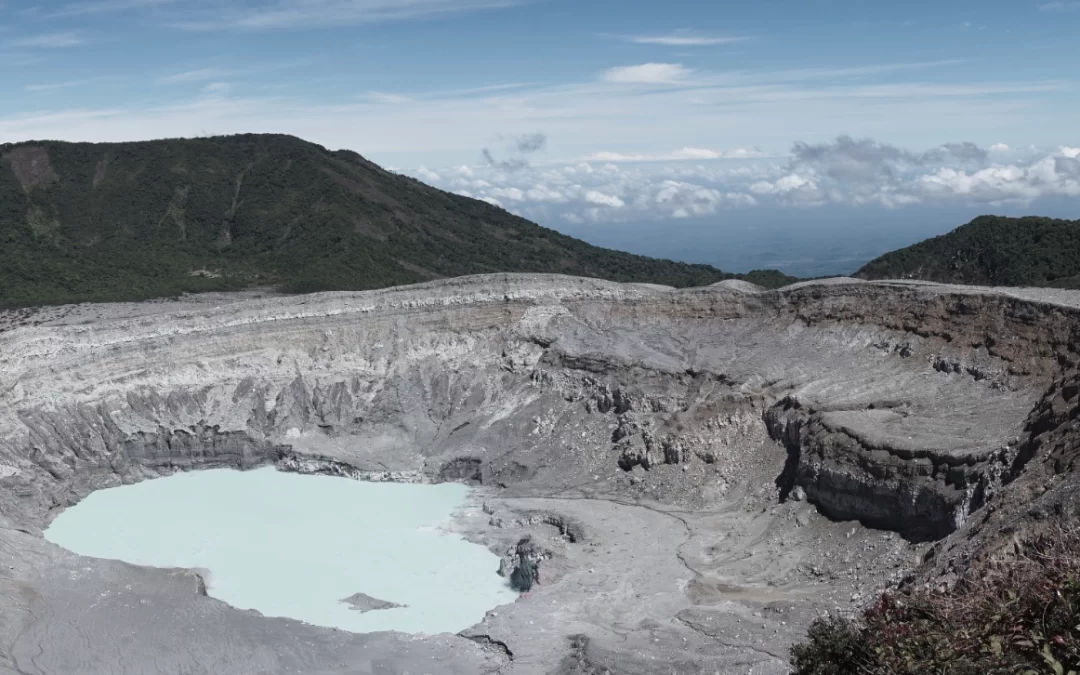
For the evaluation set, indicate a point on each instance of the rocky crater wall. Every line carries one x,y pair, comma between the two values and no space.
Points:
895,404
663,434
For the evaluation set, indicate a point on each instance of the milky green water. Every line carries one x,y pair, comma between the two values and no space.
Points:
290,545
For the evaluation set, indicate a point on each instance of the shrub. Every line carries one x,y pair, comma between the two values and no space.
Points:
1020,617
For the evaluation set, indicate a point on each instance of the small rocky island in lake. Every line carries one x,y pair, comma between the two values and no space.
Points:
362,602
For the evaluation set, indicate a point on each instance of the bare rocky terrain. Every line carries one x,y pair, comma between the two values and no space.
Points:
696,474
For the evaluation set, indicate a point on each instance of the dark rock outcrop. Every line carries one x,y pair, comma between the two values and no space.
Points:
362,602
522,565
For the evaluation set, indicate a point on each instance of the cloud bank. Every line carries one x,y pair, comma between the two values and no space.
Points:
846,171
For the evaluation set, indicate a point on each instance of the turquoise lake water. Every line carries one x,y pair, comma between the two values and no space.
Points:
290,545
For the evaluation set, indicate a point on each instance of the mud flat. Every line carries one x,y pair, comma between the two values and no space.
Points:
690,476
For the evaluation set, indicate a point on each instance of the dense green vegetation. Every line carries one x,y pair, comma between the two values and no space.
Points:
1016,617
991,250
127,221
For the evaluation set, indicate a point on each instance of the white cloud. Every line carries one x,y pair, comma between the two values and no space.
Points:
783,185
685,39
545,193
793,189
686,199
617,157
217,89
743,153
512,194
686,153
583,167
427,175
595,197
200,75
1006,183
865,172
999,147
49,41
845,171
387,98
53,86
1061,6
647,73
701,153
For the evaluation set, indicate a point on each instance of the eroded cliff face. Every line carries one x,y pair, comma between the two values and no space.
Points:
903,406
895,405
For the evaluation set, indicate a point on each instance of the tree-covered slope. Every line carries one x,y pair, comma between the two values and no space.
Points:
991,250
112,221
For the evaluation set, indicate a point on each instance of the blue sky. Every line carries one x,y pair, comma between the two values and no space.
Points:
590,113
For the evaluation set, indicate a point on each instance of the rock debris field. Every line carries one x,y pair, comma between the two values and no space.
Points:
689,477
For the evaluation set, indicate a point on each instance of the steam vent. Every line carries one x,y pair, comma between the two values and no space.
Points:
675,481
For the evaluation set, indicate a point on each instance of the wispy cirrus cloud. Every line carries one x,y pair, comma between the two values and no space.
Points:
215,73
387,98
105,6
49,41
864,71
216,90
393,97
647,73
685,39
20,59
198,75
68,84
283,14
701,115
1061,6
678,74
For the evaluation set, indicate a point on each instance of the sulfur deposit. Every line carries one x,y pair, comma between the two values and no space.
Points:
691,476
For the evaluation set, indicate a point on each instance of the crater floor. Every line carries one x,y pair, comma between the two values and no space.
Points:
696,474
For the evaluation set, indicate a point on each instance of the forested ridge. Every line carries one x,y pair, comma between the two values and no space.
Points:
128,221
991,250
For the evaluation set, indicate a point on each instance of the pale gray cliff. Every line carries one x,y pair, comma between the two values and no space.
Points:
692,467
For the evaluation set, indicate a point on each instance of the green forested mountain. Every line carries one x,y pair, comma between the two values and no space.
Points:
112,221
991,250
